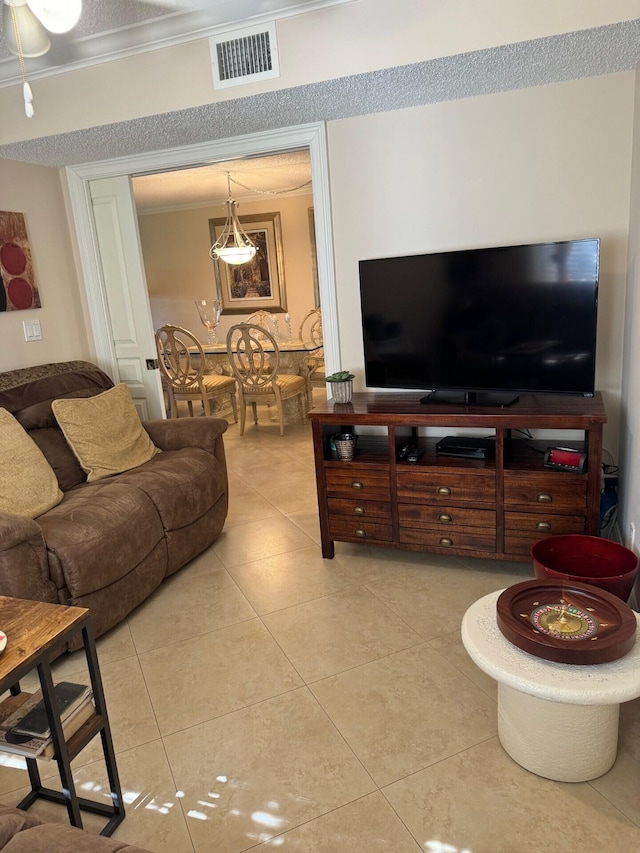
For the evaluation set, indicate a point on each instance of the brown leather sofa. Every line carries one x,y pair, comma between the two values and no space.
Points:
21,832
108,544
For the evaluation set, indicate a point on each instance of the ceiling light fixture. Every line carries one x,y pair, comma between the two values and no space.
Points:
26,23
57,16
233,246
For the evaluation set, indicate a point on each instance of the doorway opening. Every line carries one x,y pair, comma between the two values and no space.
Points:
121,267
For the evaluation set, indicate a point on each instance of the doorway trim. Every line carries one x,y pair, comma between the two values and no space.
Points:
311,136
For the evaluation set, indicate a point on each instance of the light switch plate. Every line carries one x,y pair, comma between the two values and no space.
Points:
32,330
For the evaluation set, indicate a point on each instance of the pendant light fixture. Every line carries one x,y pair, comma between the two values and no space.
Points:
233,246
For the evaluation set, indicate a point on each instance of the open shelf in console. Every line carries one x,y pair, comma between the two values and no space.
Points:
371,448
528,454
431,458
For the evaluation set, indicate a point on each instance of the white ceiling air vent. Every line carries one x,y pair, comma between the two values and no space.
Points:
244,56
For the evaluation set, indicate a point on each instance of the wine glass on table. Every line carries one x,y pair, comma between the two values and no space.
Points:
287,320
209,311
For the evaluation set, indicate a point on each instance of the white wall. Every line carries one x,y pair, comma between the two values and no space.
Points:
541,164
629,475
175,247
36,192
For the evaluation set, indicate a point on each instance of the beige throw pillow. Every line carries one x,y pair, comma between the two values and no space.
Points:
105,432
28,484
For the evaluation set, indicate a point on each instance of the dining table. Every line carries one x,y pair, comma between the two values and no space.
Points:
295,355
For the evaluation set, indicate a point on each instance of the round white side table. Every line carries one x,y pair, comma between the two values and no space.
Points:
557,720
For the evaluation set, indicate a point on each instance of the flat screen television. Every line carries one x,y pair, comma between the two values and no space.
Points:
481,326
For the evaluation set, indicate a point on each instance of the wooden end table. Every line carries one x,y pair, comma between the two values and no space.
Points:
36,634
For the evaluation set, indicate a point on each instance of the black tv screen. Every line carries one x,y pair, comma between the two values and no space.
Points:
504,320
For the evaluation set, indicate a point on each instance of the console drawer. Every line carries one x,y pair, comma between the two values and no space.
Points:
469,538
537,524
445,517
341,526
447,488
537,489
522,529
365,484
360,509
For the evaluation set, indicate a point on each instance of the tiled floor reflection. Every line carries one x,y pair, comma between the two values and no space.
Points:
267,698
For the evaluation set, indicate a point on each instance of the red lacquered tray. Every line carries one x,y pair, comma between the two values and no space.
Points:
566,622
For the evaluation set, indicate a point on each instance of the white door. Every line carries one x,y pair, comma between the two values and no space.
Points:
125,292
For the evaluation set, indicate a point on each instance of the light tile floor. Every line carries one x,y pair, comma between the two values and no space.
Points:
265,697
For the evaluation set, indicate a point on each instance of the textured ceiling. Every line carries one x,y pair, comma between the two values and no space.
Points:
277,174
602,50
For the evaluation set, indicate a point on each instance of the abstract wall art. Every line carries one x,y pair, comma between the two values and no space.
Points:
18,288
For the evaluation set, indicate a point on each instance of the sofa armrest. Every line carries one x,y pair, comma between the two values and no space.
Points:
176,433
24,565
15,529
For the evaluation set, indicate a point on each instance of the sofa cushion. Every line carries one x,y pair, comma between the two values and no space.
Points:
183,484
28,484
60,456
98,534
28,393
59,838
9,825
105,432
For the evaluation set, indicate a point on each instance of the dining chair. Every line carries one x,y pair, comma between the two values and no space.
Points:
182,363
254,357
311,332
266,320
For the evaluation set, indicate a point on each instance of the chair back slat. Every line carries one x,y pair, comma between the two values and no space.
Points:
252,364
266,320
311,327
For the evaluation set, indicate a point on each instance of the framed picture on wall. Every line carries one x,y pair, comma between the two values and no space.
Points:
18,288
258,284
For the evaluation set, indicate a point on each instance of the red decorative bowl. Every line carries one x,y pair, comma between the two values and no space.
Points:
586,559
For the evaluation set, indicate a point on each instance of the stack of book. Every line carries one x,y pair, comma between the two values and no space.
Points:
25,730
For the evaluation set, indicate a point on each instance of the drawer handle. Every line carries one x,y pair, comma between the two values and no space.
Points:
359,510
357,485
444,490
444,540
444,517
543,498
543,525
360,532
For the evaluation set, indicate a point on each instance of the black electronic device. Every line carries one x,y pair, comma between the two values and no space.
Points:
566,459
480,326
35,722
467,446
409,453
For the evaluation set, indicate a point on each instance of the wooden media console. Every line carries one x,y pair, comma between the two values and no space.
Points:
490,507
